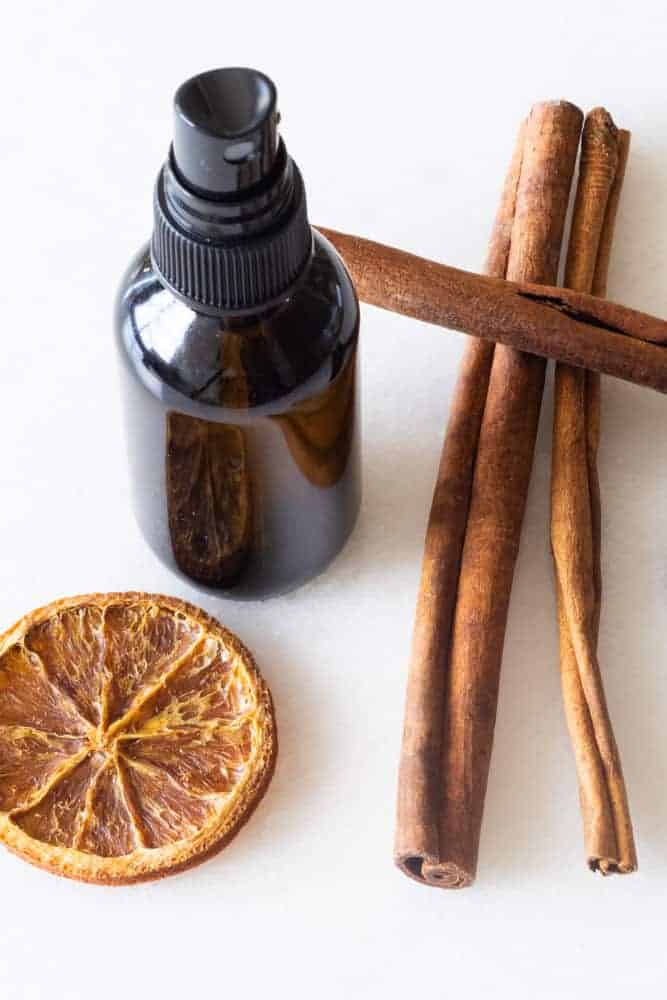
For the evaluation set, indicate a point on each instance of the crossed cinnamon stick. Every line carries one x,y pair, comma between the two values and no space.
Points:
556,323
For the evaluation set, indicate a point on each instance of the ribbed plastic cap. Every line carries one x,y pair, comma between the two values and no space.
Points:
231,227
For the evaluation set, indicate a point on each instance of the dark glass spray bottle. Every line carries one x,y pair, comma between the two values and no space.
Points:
237,327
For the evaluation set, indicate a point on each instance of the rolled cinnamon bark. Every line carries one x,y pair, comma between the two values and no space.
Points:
460,624
555,323
575,517
419,782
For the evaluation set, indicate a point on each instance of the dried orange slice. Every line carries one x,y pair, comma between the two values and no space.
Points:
136,736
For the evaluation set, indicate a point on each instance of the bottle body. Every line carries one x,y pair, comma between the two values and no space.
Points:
242,432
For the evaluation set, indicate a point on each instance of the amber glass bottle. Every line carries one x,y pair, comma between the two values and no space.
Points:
237,327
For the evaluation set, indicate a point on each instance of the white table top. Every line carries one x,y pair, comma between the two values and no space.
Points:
402,121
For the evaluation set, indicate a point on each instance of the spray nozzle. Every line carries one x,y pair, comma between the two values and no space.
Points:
225,130
231,230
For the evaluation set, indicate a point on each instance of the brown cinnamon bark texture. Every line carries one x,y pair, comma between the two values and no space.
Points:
461,621
567,326
575,516
420,780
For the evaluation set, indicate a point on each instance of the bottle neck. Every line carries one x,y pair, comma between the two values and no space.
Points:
232,254
248,213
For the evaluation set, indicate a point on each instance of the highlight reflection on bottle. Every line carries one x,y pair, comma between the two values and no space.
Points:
320,432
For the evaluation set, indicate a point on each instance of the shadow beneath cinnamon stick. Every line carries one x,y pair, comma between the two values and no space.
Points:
633,635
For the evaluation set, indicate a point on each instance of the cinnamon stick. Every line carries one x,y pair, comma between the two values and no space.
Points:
460,625
567,326
419,783
575,517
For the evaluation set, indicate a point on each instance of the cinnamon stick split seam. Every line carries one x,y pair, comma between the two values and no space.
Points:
575,516
473,534
578,329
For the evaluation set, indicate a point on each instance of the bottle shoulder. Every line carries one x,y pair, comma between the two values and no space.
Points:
271,360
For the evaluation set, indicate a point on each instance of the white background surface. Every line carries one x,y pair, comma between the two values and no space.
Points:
402,118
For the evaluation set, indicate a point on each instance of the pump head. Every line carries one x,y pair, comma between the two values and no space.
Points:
231,228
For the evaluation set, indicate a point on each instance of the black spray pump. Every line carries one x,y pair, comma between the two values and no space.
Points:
237,327
231,229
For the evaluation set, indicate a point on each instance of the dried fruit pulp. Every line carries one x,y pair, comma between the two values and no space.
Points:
135,736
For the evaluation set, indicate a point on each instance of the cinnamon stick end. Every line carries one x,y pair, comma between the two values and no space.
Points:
447,875
411,865
601,122
612,866
430,871
567,106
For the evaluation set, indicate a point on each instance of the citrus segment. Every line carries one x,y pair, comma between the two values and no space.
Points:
59,816
27,698
166,812
136,735
208,685
108,829
71,647
141,641
208,763
29,759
